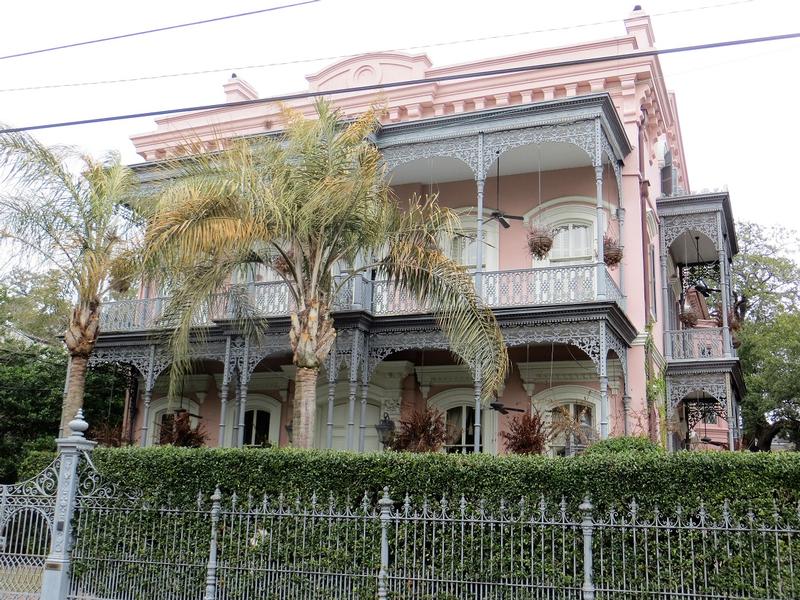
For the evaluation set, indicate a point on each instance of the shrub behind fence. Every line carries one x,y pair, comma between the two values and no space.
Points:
293,547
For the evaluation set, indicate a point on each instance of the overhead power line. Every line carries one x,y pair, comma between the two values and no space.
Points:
157,30
298,61
409,82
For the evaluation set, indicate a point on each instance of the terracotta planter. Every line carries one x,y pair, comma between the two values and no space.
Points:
540,241
612,253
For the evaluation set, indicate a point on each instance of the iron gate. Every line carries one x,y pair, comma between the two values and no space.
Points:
26,524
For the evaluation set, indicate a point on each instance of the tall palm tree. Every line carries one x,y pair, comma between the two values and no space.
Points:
66,210
304,203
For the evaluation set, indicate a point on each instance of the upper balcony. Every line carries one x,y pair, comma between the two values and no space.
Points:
521,288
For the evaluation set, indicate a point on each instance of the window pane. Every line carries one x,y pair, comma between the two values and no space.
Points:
248,427
469,434
455,429
262,427
580,238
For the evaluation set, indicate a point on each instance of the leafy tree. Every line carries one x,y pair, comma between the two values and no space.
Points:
766,279
770,355
304,204
765,275
35,302
74,223
31,392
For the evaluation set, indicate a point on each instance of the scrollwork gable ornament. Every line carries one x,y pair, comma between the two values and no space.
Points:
464,149
681,386
673,226
580,134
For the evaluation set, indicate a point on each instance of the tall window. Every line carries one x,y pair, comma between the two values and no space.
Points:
462,247
460,423
256,428
574,426
652,274
572,241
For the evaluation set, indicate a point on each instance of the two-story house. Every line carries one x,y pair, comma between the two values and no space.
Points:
590,150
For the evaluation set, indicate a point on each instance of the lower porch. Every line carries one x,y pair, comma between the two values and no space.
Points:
558,380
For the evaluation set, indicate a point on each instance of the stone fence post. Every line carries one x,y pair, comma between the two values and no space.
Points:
211,568
587,524
385,504
55,579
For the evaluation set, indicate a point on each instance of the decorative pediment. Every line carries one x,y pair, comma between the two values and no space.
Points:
370,69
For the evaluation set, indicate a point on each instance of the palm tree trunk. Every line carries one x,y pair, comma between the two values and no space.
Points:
305,407
76,381
80,339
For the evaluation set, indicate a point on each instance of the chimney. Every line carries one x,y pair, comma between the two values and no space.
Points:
638,25
237,90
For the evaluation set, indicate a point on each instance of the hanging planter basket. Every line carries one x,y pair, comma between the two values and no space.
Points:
689,317
540,241
612,253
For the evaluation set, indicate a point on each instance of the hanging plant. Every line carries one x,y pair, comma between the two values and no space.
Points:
689,317
612,253
540,240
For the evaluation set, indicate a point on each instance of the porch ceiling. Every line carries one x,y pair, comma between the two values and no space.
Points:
525,159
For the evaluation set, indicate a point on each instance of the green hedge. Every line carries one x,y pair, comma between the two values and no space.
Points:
686,478
624,444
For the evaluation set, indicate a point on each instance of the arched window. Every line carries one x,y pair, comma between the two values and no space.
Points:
572,412
572,219
262,418
462,247
573,428
162,413
460,423
458,407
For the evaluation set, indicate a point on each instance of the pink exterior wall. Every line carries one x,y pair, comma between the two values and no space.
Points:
646,109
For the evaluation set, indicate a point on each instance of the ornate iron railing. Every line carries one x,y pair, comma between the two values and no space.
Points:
543,285
540,286
612,290
697,343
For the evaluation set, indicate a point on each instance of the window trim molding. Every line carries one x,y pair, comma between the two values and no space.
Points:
258,402
159,407
465,396
491,252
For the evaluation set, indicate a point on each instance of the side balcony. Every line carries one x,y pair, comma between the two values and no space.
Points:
535,287
702,343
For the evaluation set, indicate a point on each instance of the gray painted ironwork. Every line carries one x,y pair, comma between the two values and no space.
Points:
697,343
539,286
27,512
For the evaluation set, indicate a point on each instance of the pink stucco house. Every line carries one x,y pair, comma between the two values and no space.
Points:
589,150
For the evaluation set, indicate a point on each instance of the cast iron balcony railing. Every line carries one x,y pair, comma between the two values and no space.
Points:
697,343
542,286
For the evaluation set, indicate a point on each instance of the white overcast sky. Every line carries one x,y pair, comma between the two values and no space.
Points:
736,105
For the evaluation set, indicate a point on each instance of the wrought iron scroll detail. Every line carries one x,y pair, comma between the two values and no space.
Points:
681,386
584,335
382,345
580,134
464,149
137,356
698,409
675,225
